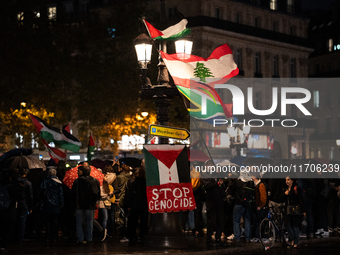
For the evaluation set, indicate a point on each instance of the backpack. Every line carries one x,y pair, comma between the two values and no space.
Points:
4,198
248,195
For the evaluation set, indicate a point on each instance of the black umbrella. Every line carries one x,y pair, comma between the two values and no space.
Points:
16,152
22,162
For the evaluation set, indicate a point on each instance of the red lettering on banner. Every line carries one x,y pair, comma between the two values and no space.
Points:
170,197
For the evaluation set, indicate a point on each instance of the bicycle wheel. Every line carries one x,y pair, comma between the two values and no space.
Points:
267,233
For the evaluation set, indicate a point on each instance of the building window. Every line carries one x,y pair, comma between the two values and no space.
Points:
292,68
276,66
257,63
316,99
330,45
257,100
275,26
69,8
20,17
238,18
328,125
317,69
84,7
52,12
331,156
293,30
273,4
172,11
239,59
217,13
319,153
327,98
257,22
290,6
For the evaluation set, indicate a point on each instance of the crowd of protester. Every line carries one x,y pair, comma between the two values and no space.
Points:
227,209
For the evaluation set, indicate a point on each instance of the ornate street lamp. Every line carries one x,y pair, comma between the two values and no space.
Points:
183,48
236,137
165,228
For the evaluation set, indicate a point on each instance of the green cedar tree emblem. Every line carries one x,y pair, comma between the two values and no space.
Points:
202,72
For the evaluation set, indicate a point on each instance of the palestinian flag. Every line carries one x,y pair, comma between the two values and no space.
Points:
168,178
51,134
171,33
90,149
55,154
72,139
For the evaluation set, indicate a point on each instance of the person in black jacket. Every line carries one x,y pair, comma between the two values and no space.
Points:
241,208
214,204
333,204
86,193
53,201
292,221
137,206
25,203
7,216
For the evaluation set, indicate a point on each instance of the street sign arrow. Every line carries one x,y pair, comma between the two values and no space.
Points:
169,132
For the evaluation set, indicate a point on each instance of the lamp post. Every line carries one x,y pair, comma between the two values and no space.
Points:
165,228
238,138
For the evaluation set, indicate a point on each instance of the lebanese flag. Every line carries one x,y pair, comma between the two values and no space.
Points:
220,66
55,154
90,149
171,33
51,134
168,178
191,72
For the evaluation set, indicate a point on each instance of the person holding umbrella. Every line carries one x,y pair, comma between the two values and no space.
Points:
25,203
86,193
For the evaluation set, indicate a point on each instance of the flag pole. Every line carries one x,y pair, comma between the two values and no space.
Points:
65,157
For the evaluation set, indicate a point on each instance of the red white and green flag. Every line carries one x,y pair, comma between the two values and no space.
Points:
171,33
196,77
51,134
168,178
90,149
55,154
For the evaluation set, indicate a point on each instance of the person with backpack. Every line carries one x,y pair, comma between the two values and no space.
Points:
261,199
241,191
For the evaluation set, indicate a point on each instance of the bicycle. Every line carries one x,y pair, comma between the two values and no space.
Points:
268,230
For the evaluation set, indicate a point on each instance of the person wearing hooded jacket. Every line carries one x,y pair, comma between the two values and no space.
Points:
53,201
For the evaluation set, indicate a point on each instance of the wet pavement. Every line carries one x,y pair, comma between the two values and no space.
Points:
195,246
